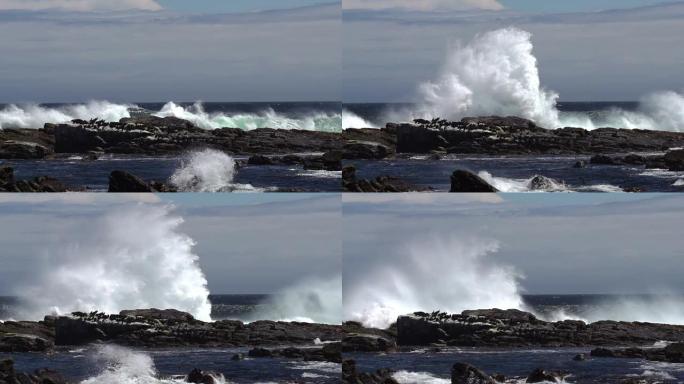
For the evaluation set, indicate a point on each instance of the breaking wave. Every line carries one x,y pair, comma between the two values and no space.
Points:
450,275
312,300
126,259
35,116
125,366
352,120
208,171
541,184
497,74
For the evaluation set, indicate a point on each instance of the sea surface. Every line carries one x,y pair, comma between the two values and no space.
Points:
94,175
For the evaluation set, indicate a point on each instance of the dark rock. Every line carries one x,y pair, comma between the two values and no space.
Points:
353,150
674,160
367,343
603,160
238,357
70,331
539,375
6,175
672,353
580,164
121,181
260,160
201,377
580,357
380,184
462,373
40,376
464,181
292,159
24,343
260,352
542,183
159,314
38,184
11,149
633,159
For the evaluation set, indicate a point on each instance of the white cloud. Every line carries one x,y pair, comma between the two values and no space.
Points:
80,5
423,5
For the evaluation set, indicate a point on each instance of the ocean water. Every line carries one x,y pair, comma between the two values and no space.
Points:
514,173
94,175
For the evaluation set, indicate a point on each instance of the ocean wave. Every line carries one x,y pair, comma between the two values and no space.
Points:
407,377
35,116
496,73
125,366
540,183
352,120
208,171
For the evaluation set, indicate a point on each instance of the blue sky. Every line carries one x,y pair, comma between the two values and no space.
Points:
210,6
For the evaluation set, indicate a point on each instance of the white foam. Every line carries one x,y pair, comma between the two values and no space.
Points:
207,171
678,183
266,119
496,74
352,120
130,258
451,275
35,116
126,366
407,377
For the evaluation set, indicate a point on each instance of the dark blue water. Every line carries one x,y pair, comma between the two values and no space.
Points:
80,364
94,175
512,173
517,364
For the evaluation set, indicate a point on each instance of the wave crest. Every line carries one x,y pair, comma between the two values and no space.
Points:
207,171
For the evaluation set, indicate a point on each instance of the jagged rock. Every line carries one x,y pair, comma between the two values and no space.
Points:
580,357
238,357
674,160
351,376
159,314
367,343
580,164
260,352
672,353
8,183
41,376
354,150
11,149
122,181
464,181
260,160
462,373
539,375
603,160
200,377
23,343
380,184
542,183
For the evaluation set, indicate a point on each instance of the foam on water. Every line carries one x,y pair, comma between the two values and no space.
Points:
35,116
311,300
407,377
504,184
130,258
451,275
207,171
126,366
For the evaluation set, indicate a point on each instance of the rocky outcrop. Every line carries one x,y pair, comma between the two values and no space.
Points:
674,160
122,181
380,184
11,149
331,352
356,342
351,376
513,135
514,328
40,376
672,353
198,376
168,328
464,181
463,373
8,183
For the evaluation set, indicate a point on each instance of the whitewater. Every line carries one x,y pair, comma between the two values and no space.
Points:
497,73
36,115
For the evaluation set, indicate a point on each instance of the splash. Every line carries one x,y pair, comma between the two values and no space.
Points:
131,258
125,366
207,171
497,74
35,116
312,300
664,309
436,274
267,119
352,120
541,184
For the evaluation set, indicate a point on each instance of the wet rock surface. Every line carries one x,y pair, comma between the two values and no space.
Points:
350,183
41,376
351,376
8,183
465,181
514,328
672,353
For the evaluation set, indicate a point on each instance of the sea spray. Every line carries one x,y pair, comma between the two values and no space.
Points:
664,309
207,171
311,300
316,121
497,74
433,274
35,116
352,120
130,258
125,366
